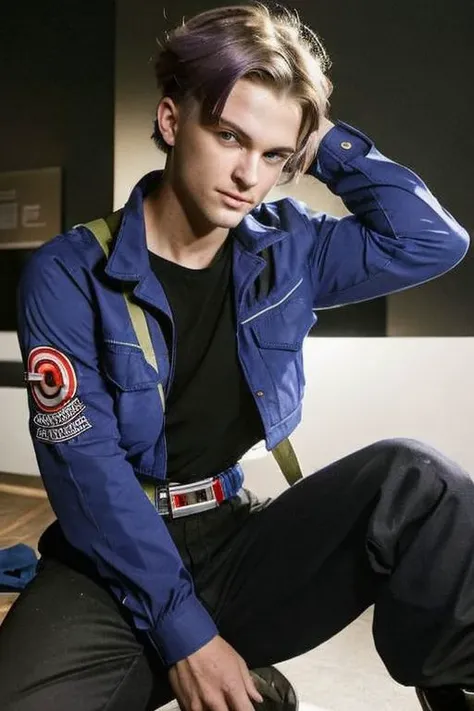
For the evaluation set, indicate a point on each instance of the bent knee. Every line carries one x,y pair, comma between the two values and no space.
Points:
407,445
412,453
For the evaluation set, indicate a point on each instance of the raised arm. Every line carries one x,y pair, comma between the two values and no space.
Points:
397,236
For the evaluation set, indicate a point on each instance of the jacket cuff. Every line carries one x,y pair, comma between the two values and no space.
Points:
182,632
341,145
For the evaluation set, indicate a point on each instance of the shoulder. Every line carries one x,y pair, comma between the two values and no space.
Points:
300,223
284,213
73,248
62,264
70,251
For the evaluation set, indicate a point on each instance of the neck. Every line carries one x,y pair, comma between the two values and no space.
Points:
171,234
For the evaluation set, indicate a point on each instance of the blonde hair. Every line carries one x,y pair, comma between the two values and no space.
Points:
205,56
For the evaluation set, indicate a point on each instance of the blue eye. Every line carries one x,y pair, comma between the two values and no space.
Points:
275,157
223,134
229,137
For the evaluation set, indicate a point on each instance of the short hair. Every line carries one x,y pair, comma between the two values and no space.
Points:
205,56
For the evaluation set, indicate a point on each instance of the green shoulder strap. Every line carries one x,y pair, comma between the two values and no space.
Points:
287,460
104,231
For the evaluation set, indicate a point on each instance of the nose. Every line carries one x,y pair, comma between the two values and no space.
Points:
246,171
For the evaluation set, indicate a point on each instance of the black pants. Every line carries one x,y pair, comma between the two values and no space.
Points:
392,524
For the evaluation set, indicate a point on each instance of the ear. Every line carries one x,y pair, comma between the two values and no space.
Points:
167,116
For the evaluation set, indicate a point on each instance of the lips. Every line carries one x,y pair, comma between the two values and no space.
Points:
233,196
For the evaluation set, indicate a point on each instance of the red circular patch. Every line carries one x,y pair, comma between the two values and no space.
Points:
59,383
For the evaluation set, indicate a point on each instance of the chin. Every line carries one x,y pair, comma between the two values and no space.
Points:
228,218
225,222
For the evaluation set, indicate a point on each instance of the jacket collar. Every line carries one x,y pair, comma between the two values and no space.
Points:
129,260
256,231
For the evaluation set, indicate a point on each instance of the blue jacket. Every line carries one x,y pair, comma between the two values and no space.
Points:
103,424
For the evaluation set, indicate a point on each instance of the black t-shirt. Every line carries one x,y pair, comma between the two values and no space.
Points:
211,418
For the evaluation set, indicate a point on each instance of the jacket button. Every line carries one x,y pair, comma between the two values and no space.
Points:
346,145
259,393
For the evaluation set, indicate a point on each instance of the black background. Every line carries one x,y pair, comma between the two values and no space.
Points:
57,109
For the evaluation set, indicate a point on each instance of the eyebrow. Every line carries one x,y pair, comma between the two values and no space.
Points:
238,129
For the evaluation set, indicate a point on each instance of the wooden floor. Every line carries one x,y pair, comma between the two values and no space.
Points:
24,514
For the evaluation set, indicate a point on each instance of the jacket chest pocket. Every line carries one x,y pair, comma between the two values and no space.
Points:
138,407
284,327
279,334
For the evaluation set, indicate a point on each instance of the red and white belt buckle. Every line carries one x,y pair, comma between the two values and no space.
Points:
187,499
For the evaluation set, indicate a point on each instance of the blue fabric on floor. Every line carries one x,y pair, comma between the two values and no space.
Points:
17,567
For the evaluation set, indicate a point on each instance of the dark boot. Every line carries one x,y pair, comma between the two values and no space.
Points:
447,698
278,693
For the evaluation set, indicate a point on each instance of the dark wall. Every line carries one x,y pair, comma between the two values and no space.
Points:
57,108
402,73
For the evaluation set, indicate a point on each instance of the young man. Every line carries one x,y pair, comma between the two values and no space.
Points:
138,596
